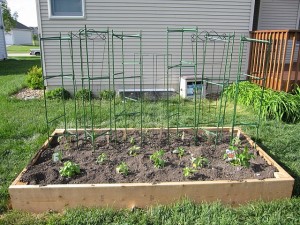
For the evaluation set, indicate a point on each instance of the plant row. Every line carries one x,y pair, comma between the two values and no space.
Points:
235,155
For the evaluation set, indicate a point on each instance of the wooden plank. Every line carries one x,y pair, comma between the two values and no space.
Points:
298,63
271,61
279,87
37,199
287,87
255,59
275,71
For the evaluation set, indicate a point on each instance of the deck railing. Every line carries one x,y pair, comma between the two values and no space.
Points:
284,60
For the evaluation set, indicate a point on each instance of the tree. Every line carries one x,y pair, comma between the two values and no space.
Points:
8,19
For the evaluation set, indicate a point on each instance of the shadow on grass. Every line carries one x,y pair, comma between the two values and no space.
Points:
294,174
18,65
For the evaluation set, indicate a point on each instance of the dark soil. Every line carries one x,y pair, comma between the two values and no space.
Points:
141,169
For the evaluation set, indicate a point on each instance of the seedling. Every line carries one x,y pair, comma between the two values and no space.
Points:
236,141
122,169
157,160
102,158
134,150
179,151
69,169
132,141
187,171
57,157
199,162
237,157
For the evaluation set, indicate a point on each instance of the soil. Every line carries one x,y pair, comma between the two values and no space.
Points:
141,170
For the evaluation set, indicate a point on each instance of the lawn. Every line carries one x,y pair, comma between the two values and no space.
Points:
21,48
23,130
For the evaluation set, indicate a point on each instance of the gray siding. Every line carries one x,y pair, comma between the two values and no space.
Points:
278,14
153,18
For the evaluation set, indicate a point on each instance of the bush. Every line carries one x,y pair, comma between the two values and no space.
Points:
84,94
276,105
34,78
107,94
58,93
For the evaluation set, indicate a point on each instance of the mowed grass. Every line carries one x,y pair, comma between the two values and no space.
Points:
21,48
23,130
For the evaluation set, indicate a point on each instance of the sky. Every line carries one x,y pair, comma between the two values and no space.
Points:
26,10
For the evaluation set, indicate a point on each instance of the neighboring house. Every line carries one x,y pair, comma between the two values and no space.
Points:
19,35
153,18
3,53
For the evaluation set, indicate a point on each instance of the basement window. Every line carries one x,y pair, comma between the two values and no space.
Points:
66,8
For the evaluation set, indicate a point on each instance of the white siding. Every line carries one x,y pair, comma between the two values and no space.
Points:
153,18
278,14
19,37
3,53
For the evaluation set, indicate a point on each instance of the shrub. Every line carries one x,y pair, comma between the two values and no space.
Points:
107,94
84,94
275,105
58,93
34,78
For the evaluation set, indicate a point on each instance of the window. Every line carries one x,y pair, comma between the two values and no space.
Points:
66,8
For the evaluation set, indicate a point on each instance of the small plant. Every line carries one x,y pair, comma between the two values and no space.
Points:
58,93
132,141
57,157
238,157
102,158
199,162
69,169
134,150
157,160
187,171
34,78
179,151
122,169
236,141
84,94
107,94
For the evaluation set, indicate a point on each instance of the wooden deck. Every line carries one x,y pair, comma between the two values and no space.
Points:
280,65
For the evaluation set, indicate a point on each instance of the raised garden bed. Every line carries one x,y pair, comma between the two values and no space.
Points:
40,187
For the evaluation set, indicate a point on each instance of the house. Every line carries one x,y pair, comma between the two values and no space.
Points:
3,53
19,35
153,18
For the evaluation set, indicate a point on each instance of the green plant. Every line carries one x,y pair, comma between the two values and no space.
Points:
69,169
236,141
180,151
58,93
34,78
238,157
107,94
123,169
132,141
134,150
275,105
84,94
57,157
157,160
199,162
187,171
102,158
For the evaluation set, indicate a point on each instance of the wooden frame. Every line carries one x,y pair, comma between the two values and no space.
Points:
35,198
281,75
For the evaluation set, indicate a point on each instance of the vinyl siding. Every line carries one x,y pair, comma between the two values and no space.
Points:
279,15
3,53
153,18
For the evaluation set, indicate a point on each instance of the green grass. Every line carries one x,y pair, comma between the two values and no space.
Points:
23,130
21,48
